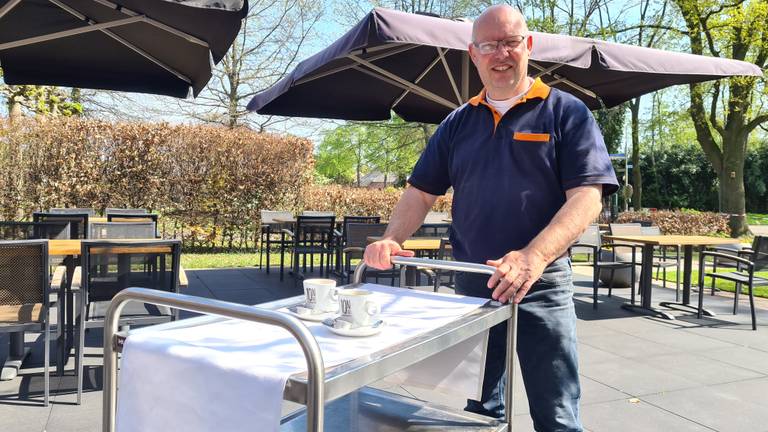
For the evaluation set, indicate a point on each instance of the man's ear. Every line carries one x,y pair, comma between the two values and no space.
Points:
529,42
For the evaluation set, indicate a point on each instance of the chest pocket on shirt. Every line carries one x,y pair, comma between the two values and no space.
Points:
531,137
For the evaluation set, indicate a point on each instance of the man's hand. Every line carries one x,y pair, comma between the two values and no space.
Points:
516,272
378,254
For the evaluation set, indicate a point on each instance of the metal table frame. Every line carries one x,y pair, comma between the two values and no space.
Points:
316,387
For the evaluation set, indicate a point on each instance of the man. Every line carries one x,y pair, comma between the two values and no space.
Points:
528,166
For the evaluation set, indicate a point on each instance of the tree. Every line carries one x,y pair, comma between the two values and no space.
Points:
734,29
272,36
47,100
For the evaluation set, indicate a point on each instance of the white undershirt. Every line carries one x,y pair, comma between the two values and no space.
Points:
502,106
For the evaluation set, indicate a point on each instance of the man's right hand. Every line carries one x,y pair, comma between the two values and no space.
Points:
378,254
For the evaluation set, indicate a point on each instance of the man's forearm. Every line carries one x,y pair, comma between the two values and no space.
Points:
409,214
582,206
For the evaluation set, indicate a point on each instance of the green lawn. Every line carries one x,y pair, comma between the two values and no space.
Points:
757,219
193,260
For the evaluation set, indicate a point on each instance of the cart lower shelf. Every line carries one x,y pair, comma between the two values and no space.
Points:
372,410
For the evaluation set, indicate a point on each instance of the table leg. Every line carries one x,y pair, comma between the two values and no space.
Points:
686,305
16,355
646,288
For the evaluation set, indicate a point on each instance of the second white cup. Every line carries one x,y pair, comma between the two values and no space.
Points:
358,307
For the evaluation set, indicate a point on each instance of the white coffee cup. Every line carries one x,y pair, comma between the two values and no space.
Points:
321,295
358,307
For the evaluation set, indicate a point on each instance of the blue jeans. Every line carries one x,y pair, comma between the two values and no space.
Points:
546,348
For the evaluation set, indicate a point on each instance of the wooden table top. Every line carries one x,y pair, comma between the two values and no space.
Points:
72,247
673,240
415,243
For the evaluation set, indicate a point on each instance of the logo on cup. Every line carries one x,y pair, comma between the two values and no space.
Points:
346,306
311,295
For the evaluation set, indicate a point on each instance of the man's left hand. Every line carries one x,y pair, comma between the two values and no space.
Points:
516,272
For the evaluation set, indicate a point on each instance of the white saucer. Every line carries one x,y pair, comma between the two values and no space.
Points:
309,316
355,332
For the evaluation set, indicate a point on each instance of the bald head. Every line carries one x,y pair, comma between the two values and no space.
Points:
497,16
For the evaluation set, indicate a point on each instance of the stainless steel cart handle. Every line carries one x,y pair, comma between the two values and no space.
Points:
315,367
429,263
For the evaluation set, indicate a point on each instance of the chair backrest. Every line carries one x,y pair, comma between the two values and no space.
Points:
269,216
116,210
78,222
650,230
626,229
760,257
357,234
73,210
10,230
314,229
122,230
23,274
317,213
135,217
109,266
357,220
434,217
590,236
433,230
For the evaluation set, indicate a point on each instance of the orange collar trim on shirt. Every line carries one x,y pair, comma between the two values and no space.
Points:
538,90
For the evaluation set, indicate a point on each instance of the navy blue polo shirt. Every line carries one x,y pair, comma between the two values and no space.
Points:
509,173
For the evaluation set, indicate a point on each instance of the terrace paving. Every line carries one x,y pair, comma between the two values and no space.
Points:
638,373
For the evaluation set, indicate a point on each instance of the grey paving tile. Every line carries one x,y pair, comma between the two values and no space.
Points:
744,357
589,354
68,417
634,377
627,346
684,340
22,417
593,392
749,390
628,416
700,369
716,407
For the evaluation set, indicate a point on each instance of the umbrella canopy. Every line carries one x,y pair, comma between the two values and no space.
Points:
419,67
149,46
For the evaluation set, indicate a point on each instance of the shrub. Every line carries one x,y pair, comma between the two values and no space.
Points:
682,222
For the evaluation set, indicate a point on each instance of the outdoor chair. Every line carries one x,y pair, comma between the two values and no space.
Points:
442,229
317,213
78,222
135,217
151,264
444,277
270,227
341,236
73,210
118,210
34,230
311,235
25,295
357,239
747,263
591,239
122,230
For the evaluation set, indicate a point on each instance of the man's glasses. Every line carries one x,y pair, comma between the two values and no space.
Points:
490,47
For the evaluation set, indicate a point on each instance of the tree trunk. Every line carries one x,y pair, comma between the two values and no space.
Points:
732,193
637,179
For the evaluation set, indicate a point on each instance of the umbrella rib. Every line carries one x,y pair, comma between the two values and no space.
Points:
418,79
130,46
560,79
8,6
354,65
155,23
399,82
67,33
447,68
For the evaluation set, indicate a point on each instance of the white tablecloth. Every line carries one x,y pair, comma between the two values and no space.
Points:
230,375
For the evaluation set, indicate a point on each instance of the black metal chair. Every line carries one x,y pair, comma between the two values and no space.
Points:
271,234
747,263
25,296
73,210
311,235
663,257
10,230
134,217
78,222
592,241
128,268
341,236
122,230
357,239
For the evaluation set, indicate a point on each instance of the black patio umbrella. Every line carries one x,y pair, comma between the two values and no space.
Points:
149,46
418,66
